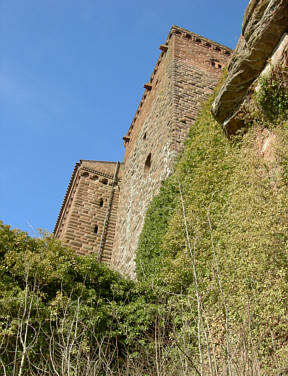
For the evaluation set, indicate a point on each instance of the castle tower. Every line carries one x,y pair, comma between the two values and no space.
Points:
185,75
105,205
87,219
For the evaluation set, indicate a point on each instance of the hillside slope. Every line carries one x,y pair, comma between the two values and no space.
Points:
216,235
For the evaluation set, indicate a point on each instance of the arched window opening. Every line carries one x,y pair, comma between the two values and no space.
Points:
85,174
145,136
94,177
148,163
101,202
95,229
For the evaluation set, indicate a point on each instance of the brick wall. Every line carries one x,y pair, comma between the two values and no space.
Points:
87,219
188,69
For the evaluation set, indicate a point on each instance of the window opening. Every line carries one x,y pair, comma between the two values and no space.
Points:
104,181
95,229
148,163
101,202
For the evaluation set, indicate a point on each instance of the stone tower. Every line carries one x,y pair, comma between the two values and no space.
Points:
185,75
87,219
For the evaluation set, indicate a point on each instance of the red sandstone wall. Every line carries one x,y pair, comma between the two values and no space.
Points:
183,78
85,207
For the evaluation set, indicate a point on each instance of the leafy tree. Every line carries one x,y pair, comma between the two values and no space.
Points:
57,306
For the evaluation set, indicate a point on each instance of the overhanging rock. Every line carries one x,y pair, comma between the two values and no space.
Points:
264,23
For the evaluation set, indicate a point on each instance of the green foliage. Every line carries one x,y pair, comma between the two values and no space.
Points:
234,207
273,96
49,295
202,175
150,255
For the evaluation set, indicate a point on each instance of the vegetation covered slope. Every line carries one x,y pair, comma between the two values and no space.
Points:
217,235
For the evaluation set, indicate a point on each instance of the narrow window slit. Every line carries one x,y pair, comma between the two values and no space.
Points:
148,163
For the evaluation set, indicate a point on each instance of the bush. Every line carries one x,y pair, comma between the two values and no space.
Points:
272,97
66,314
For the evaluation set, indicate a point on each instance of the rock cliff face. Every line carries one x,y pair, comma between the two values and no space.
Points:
264,23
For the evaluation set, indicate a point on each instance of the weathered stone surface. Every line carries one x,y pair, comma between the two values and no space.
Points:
278,61
184,76
264,23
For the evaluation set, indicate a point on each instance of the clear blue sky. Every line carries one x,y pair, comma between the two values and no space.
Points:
71,78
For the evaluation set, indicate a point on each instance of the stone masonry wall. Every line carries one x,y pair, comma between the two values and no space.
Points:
198,65
149,136
185,74
85,208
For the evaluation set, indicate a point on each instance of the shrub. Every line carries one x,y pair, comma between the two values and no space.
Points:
272,97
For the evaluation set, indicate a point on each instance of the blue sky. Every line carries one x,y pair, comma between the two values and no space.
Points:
71,78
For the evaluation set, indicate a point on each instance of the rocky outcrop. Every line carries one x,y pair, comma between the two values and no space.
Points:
264,23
